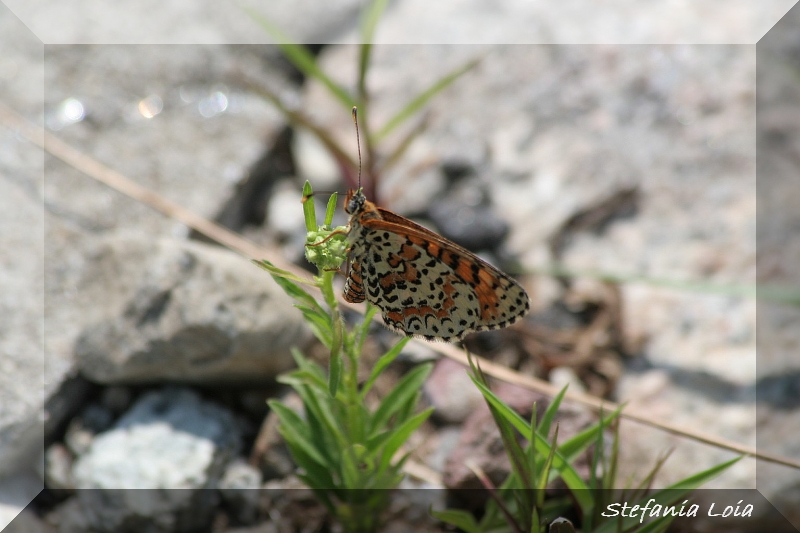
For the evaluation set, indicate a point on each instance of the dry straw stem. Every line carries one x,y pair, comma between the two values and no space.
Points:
237,243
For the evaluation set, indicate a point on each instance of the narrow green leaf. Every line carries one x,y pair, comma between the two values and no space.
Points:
301,377
406,410
319,323
300,57
612,473
369,21
370,18
363,328
309,212
535,521
509,414
659,525
319,405
696,480
308,370
577,444
516,455
294,428
400,149
541,483
330,210
561,465
417,103
401,434
320,474
460,519
280,275
335,373
530,448
550,413
316,315
670,495
409,385
384,361
355,466
322,494
364,54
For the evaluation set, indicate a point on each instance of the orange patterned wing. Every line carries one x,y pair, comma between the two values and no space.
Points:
424,284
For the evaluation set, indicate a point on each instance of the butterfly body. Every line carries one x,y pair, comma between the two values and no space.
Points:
424,284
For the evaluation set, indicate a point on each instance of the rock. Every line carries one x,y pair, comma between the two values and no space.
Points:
192,314
27,522
451,391
189,437
264,527
58,468
239,489
110,86
117,399
169,439
22,256
688,400
81,430
16,492
465,217
293,506
563,376
130,511
445,440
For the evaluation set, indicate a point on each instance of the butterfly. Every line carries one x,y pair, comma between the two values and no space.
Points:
424,285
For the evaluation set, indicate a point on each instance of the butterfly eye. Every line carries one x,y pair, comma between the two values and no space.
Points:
354,201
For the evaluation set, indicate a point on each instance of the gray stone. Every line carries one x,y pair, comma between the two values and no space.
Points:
239,489
71,210
471,22
451,392
110,83
81,429
169,439
58,467
23,381
182,23
193,313
27,522
16,492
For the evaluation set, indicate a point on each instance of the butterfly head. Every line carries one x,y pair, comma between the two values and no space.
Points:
355,201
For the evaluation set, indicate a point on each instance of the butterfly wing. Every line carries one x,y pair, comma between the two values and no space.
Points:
427,286
354,284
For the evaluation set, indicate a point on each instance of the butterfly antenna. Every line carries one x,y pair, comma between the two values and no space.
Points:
358,143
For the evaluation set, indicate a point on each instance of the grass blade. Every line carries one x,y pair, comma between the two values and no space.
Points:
550,413
408,386
417,103
669,495
461,519
300,57
400,434
293,428
280,274
384,361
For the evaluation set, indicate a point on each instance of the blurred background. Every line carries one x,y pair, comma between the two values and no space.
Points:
615,180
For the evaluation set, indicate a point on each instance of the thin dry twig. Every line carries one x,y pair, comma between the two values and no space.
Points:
239,244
